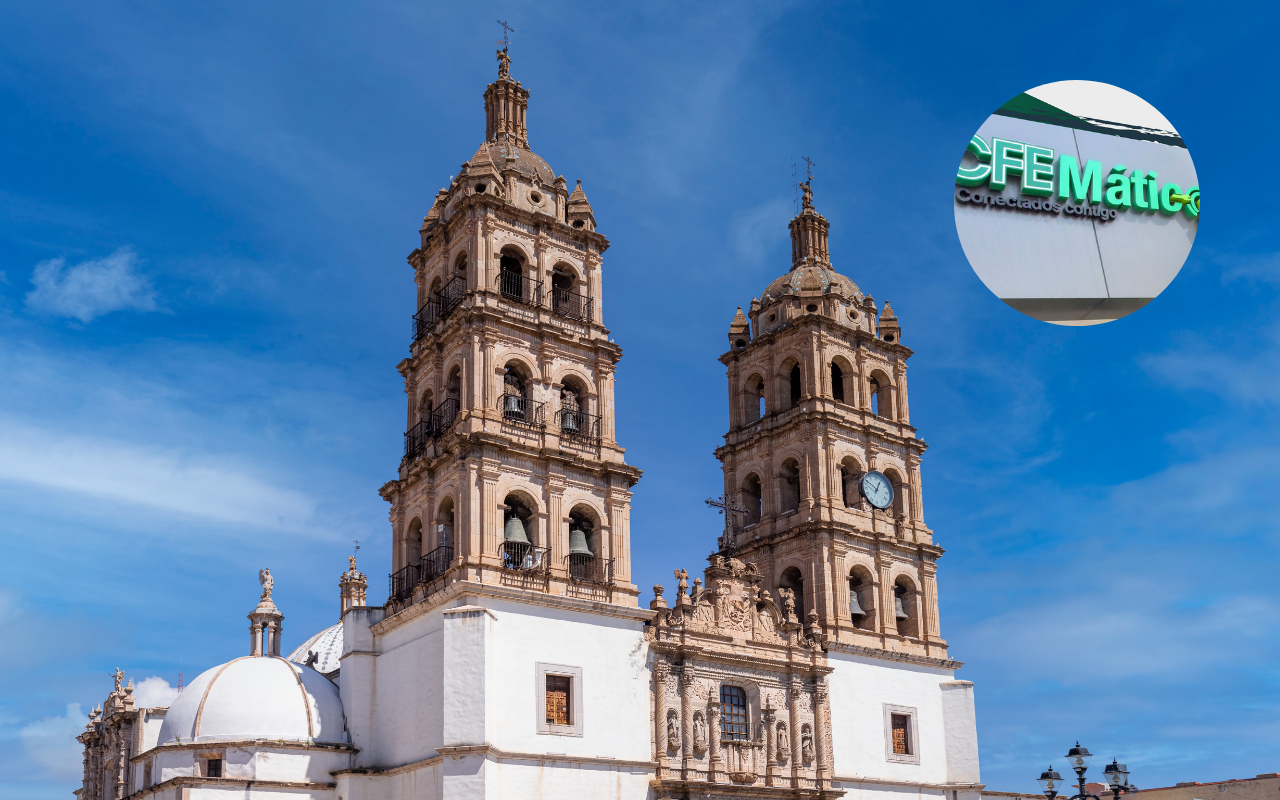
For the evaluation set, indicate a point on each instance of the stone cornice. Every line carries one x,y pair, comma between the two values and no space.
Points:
511,594
489,751
961,787
863,424
855,337
255,744
892,655
238,783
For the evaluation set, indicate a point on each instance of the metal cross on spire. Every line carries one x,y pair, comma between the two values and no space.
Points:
727,507
808,168
507,30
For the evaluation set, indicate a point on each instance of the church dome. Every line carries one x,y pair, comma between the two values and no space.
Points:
327,645
813,279
256,697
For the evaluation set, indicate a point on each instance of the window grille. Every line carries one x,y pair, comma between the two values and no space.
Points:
558,705
901,734
214,768
733,713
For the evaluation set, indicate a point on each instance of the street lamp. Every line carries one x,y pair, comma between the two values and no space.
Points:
1078,757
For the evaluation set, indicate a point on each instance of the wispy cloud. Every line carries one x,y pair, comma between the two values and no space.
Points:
757,231
163,479
154,692
1250,268
51,743
91,288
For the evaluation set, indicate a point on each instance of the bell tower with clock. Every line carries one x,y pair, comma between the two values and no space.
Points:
822,456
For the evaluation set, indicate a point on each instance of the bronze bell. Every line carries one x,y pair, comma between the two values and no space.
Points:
899,612
514,531
855,608
578,543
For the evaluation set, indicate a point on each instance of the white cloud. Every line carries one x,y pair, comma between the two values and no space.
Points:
51,743
159,478
154,692
91,288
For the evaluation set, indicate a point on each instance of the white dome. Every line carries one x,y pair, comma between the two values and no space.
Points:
327,644
256,697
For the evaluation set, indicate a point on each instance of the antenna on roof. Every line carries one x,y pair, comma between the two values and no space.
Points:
795,184
357,548
179,676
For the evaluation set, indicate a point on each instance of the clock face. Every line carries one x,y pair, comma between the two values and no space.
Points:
877,489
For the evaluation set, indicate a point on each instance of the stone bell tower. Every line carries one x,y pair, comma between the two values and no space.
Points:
819,431
511,474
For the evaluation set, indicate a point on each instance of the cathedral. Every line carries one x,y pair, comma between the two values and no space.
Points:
513,657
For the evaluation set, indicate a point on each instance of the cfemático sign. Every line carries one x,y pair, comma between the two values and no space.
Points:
1076,203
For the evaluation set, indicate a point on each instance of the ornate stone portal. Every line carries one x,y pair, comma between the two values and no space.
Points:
732,633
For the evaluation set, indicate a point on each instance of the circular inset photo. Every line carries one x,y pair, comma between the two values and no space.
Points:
1076,203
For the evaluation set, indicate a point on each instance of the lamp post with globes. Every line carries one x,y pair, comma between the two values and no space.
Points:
1078,757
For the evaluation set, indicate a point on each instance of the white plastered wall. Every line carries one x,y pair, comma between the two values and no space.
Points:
945,723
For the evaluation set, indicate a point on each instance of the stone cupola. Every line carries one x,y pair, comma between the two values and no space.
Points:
266,618
353,587
506,104
809,235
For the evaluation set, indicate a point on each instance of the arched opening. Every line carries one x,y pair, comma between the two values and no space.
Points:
413,543
511,278
753,399
850,473
437,560
796,384
899,493
573,417
751,498
875,396
518,551
584,559
425,407
789,485
862,598
568,299
443,415
444,523
906,608
881,396
460,264
515,394
837,383
792,579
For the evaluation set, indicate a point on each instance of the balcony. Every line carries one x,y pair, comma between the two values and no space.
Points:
439,306
589,569
520,288
419,436
573,306
434,564
579,426
521,411
522,557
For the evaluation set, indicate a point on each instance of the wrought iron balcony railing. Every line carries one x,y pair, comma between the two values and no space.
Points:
567,304
589,569
525,557
434,564
441,420
578,425
520,288
520,410
439,306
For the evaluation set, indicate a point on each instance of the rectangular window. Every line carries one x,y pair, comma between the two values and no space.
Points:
901,734
214,768
733,713
146,775
559,694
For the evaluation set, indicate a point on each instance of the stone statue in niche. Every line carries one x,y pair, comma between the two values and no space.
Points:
788,604
806,743
784,744
673,732
699,733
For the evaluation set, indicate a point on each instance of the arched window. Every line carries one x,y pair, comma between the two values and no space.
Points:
753,399
734,724
751,498
850,473
796,387
905,608
793,580
511,275
789,485
444,523
837,383
875,396
413,543
573,410
518,551
584,546
861,599
881,396
899,493
515,397
460,265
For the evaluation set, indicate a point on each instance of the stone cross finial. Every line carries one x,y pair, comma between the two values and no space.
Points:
264,578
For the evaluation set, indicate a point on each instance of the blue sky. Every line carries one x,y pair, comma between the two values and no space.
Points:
204,215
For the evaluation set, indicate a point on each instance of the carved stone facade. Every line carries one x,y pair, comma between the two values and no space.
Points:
510,385
111,740
731,632
818,397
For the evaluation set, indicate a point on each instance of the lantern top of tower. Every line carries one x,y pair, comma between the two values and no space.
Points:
811,272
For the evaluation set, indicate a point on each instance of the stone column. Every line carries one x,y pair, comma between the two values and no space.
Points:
913,479
900,381
687,683
713,738
888,625
821,733
793,716
929,602
255,639
770,747
661,671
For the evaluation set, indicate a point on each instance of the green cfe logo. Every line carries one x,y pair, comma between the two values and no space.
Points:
1005,158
